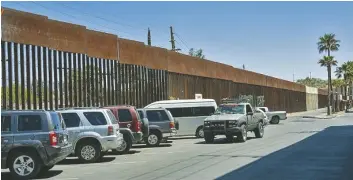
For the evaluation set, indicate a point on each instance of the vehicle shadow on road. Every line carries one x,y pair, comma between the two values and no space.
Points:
145,146
128,153
223,141
182,137
324,155
49,174
74,161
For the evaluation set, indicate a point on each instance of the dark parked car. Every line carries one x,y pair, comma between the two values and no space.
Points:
161,125
130,126
32,142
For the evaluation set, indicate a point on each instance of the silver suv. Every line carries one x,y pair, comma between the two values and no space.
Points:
161,125
92,132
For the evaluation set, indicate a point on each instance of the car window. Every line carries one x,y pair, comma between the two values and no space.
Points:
192,111
112,117
5,123
29,122
248,109
203,111
141,114
71,119
263,109
124,115
157,115
57,121
95,118
138,116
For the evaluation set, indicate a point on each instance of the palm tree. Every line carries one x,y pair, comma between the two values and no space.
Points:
328,62
328,43
345,71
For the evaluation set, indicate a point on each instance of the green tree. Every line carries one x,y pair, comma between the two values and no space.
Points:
328,62
313,82
198,53
345,71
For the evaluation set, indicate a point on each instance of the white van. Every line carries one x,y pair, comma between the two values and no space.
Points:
190,113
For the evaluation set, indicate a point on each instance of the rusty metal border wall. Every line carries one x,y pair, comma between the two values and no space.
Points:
36,77
186,86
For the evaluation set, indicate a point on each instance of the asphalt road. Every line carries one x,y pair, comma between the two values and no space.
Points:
297,148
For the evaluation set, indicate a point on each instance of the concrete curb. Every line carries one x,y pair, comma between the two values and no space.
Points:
325,117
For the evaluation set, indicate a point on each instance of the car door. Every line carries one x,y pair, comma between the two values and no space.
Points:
250,117
7,129
73,125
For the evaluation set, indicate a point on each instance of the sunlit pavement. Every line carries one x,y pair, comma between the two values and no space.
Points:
294,149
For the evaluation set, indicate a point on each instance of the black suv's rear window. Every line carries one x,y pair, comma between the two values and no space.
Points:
29,123
57,121
112,117
5,123
141,114
157,115
71,119
124,115
95,118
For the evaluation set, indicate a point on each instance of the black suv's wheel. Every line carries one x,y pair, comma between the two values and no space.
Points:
24,165
260,130
88,152
199,132
209,137
153,139
125,146
243,135
275,120
229,138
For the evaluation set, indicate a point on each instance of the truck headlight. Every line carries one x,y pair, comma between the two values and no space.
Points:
207,123
232,123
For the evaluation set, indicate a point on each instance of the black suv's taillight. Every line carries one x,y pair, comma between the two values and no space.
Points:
53,138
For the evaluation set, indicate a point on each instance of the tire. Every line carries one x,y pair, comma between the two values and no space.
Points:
209,137
126,145
153,139
229,138
45,169
243,135
199,132
275,120
260,130
88,152
30,169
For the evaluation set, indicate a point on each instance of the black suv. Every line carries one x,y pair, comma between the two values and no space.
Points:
32,142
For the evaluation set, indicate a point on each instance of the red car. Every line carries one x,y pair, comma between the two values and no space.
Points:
130,126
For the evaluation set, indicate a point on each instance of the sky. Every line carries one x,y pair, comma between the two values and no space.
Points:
273,38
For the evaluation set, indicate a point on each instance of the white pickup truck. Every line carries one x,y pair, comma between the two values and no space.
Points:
274,116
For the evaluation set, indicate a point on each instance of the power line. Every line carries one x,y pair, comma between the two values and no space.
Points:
51,9
181,40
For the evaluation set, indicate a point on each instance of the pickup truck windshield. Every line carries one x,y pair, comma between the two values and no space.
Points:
230,109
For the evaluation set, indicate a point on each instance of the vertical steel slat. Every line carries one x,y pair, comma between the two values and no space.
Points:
4,69
144,92
98,91
10,62
84,80
74,78
104,84
51,69
130,84
94,82
111,80
16,61
40,83
66,97
79,79
138,87
23,75
28,75
71,104
61,83
55,69
123,75
117,83
34,74
45,75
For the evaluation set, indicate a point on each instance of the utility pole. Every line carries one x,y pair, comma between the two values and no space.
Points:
244,66
172,40
310,75
293,77
149,37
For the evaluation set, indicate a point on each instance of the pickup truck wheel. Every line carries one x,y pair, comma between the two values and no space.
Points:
260,130
125,146
275,120
88,152
153,139
243,135
199,132
24,165
209,137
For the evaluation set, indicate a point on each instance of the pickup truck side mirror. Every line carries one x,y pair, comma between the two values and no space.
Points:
249,113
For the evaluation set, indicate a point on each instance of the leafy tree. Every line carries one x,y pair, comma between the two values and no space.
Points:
313,82
328,62
198,53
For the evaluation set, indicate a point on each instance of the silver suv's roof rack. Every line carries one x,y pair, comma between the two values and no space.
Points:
73,108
